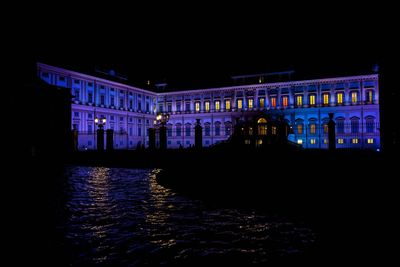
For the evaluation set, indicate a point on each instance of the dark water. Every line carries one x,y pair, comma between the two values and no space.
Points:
122,217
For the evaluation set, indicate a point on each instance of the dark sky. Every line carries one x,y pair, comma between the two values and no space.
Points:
197,46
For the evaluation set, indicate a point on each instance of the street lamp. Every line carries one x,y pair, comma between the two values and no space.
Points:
100,122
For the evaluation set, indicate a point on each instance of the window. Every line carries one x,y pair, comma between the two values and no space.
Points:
354,97
300,128
140,106
261,102
207,106
312,141
130,103
169,107
228,128
178,106
111,117
169,130
76,114
313,128
90,128
178,130
340,141
217,129
250,131
312,100
326,128
121,119
187,130
61,79
340,126
217,105
325,141
89,142
354,140
160,107
112,101
354,125
273,102
139,129
370,140
121,102
262,126
227,104
75,126
370,125
130,131
273,130
45,74
250,103
240,103
299,141
197,106
76,94
285,101
339,98
370,96
326,99
299,100
90,115
76,81
207,129
102,99
90,84
187,108
147,107
90,97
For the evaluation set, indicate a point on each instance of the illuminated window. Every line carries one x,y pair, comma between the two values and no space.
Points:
326,128
273,130
240,103
217,105
273,102
300,128
326,99
250,103
312,128
247,142
299,141
250,131
325,141
312,100
354,140
354,97
227,104
299,100
197,106
207,105
312,141
261,102
340,141
285,101
262,127
370,96
370,141
339,98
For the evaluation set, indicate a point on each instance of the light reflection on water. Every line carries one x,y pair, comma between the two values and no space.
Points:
124,217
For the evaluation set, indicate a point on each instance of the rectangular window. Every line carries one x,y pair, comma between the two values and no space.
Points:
187,133
340,141
139,129
339,98
121,119
217,105
273,130
354,97
147,107
250,103
273,102
207,106
370,141
370,96
121,102
178,131
312,141
76,114
197,106
300,129
112,101
130,103
312,128
160,108
326,99
169,132
89,128
240,104
130,131
325,141
299,100
299,141
227,104
261,102
187,108
178,106
285,101
90,97
102,99
354,140
169,107
111,117
325,128
312,100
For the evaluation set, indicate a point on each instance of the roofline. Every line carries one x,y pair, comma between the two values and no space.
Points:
279,84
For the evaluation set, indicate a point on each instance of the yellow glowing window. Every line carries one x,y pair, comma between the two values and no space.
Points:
370,96
273,102
300,128
325,141
299,100
312,128
285,101
217,105
339,99
250,103
300,141
326,99
207,105
312,141
240,103
354,140
273,130
227,104
197,106
262,102
340,141
370,141
325,128
312,100
354,97
250,131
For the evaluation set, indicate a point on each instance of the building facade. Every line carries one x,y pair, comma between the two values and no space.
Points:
131,111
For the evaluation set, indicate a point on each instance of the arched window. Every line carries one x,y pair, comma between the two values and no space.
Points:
355,124
370,124
325,125
228,128
169,130
312,126
178,127
217,128
187,129
340,125
207,129
262,126
299,126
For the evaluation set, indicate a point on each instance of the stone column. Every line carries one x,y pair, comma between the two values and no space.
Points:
198,134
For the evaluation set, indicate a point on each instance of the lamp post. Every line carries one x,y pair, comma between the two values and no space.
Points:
100,133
